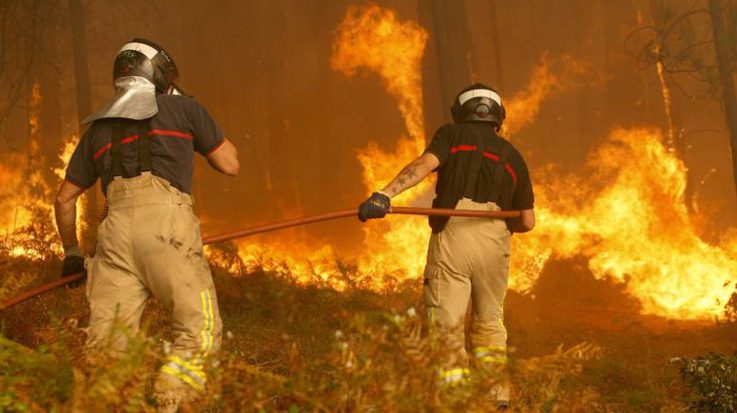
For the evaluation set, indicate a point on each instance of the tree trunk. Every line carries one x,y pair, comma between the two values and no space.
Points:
454,48
675,136
84,108
497,47
724,58
81,68
283,171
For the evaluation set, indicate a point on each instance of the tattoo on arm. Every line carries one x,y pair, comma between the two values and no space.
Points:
410,176
66,217
65,211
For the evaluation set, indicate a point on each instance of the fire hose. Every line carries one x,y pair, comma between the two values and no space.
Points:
274,227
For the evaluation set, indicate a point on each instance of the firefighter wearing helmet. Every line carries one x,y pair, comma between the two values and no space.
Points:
468,258
141,146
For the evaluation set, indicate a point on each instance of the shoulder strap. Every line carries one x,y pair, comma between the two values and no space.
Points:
497,187
143,143
144,148
115,140
474,169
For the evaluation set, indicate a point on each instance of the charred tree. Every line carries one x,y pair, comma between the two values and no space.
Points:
673,117
723,50
496,46
675,134
456,58
84,107
79,50
283,171
683,62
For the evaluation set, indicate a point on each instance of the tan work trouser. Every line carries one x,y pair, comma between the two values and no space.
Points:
469,260
150,244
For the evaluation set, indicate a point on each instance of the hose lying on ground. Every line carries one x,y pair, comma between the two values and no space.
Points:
277,226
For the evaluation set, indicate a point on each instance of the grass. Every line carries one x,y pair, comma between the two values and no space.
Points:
312,349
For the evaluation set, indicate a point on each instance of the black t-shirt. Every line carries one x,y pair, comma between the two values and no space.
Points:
181,127
456,146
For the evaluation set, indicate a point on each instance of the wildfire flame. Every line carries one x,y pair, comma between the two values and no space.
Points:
374,39
26,194
523,107
633,227
625,213
627,217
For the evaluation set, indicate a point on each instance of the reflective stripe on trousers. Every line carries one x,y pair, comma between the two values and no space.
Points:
491,355
192,372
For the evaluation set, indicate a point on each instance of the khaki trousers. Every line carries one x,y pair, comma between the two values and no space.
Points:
469,261
150,244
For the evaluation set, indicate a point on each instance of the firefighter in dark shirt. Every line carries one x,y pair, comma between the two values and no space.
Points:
468,258
141,146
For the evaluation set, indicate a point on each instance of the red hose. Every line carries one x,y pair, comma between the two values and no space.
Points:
273,227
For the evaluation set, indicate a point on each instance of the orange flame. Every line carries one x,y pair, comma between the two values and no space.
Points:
374,39
523,107
625,215
634,228
25,196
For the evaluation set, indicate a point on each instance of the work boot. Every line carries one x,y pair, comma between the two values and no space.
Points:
167,400
499,397
170,394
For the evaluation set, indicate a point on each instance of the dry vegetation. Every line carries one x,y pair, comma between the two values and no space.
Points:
579,346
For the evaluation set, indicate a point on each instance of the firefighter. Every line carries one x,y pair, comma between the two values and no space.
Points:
468,258
141,146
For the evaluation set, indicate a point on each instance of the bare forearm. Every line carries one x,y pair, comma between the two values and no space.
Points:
408,177
523,223
66,222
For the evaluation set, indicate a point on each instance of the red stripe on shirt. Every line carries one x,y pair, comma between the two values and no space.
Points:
463,148
102,150
491,156
133,138
511,171
163,132
218,146
129,139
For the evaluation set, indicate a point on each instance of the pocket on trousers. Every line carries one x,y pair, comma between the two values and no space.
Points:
431,286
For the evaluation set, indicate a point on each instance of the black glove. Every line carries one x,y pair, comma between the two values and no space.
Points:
377,206
73,264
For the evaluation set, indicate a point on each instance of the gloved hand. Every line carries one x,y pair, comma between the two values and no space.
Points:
73,264
377,206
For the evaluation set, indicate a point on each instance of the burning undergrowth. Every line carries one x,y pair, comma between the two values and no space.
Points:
624,212
315,331
312,348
